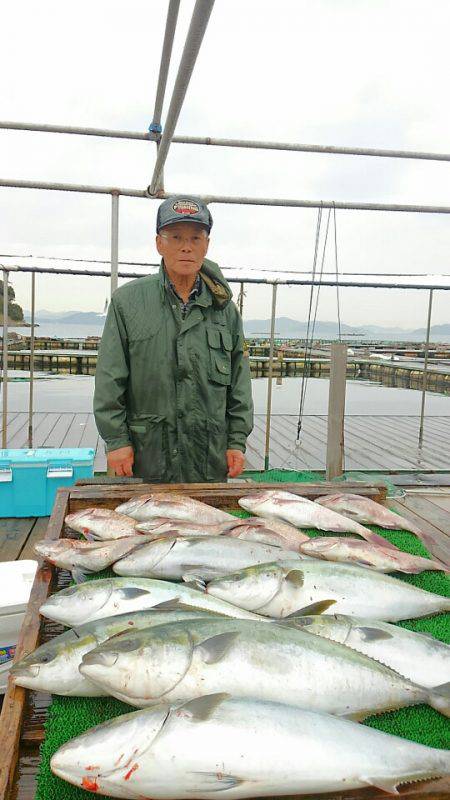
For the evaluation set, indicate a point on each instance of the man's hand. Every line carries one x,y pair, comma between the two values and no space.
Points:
121,461
235,463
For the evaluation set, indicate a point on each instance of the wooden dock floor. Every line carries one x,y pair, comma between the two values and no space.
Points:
382,442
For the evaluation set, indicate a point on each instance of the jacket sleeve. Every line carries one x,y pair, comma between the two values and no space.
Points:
111,380
239,397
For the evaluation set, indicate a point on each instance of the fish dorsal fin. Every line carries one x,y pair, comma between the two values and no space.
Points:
372,634
439,698
202,707
216,647
386,784
168,605
296,577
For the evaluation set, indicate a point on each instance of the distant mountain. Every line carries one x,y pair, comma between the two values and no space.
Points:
284,326
444,330
287,327
71,317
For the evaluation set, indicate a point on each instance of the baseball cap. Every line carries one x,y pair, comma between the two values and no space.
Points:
183,208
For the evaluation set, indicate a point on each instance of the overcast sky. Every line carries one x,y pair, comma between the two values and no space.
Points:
343,72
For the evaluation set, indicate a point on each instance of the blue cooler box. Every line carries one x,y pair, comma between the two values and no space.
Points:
29,479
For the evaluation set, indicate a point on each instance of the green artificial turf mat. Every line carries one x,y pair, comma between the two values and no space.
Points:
284,476
71,716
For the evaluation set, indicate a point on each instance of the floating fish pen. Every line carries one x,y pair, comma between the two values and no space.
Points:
391,374
73,362
34,724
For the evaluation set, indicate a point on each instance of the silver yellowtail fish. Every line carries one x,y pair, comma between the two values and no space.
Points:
182,660
53,667
233,748
81,557
281,589
111,596
171,505
173,558
355,551
418,656
101,523
304,513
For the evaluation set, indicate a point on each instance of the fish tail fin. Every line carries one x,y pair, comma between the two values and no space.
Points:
78,575
439,698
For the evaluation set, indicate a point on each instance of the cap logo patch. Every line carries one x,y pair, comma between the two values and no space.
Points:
186,207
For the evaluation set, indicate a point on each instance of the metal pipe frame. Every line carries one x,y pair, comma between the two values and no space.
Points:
270,377
200,18
226,199
425,369
31,397
263,281
169,34
114,242
252,144
5,360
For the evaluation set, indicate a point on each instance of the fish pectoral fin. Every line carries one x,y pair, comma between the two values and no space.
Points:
202,707
89,536
214,781
372,634
314,608
439,698
194,580
216,647
132,592
386,784
78,575
296,577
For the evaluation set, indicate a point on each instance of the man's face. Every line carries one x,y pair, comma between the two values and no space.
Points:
183,247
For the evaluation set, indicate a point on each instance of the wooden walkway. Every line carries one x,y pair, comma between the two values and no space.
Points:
385,443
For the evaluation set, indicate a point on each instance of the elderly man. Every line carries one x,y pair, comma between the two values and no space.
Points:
173,398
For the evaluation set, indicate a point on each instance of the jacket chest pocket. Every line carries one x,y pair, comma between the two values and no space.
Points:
220,345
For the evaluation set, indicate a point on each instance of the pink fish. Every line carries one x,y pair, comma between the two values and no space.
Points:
101,524
355,551
367,511
304,513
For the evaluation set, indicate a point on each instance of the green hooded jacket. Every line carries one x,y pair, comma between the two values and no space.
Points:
178,391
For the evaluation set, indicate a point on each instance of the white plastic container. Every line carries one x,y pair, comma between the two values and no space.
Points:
16,580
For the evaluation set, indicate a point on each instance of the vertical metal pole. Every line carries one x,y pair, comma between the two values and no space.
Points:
336,411
30,405
5,359
241,298
425,370
269,380
114,241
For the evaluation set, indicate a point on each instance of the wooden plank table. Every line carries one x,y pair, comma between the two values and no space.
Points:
21,724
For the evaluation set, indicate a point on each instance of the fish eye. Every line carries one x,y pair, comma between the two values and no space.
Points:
45,659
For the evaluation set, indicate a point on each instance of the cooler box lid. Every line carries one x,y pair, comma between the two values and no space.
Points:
43,455
16,580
